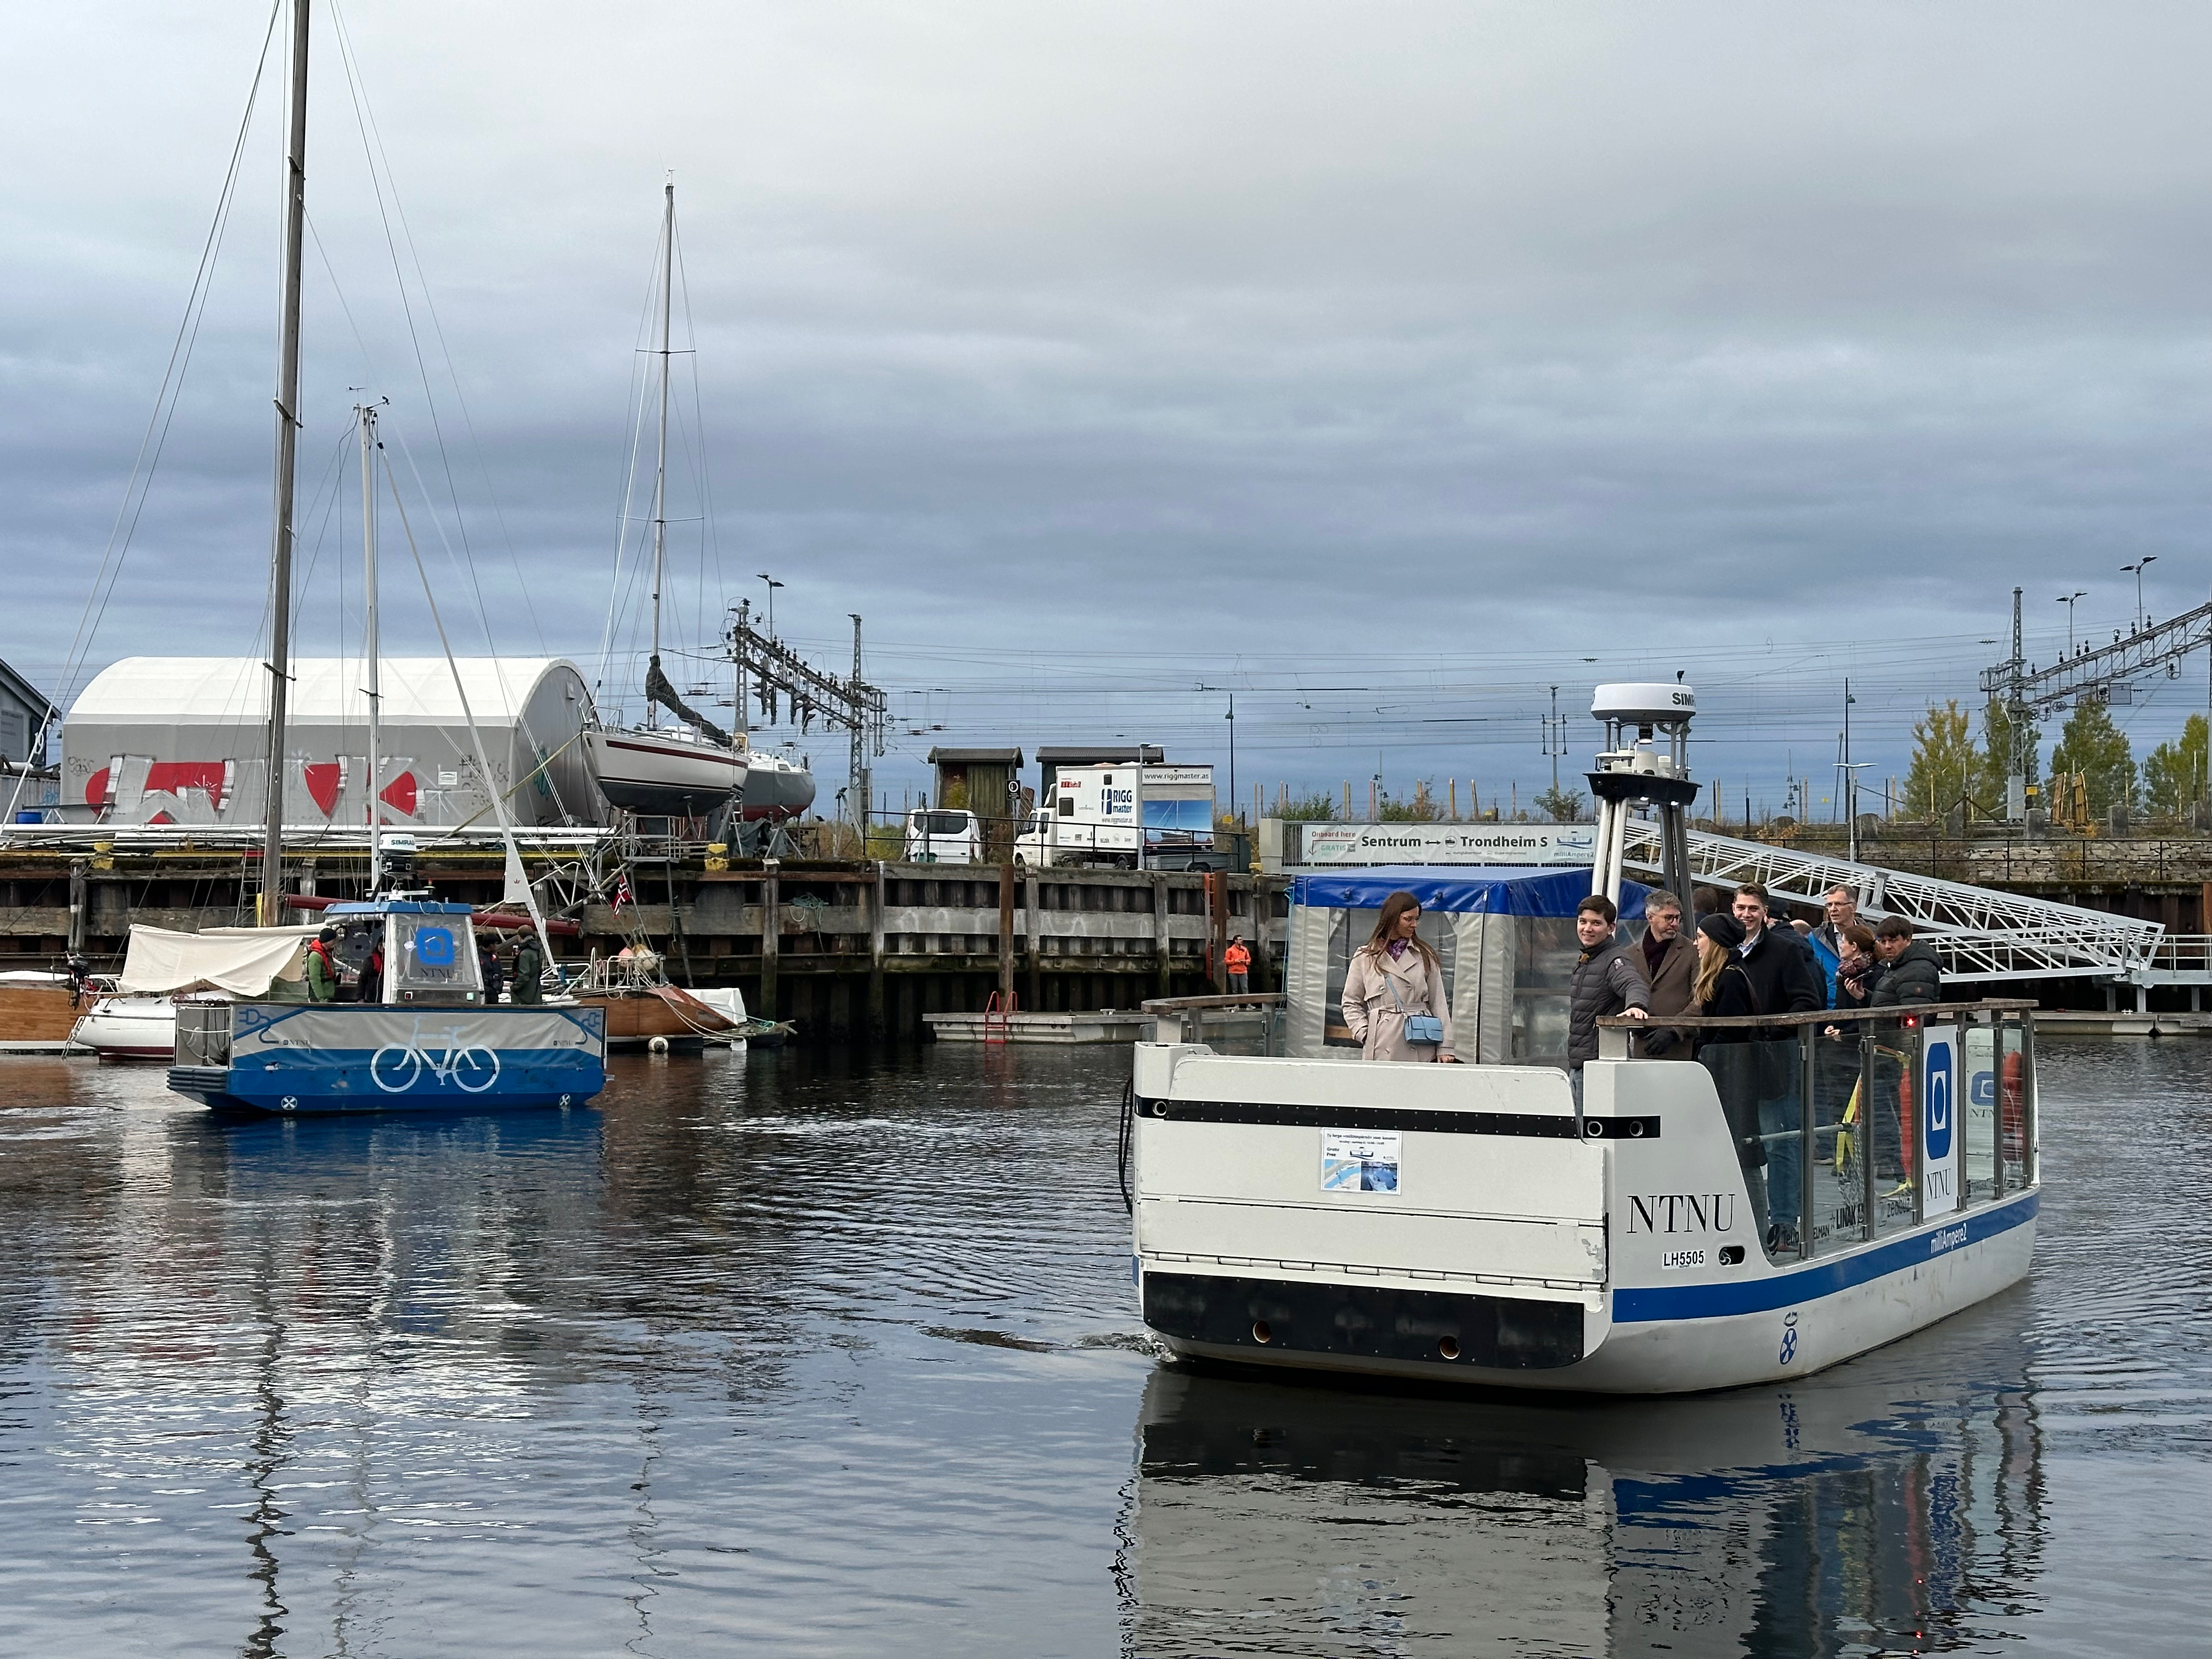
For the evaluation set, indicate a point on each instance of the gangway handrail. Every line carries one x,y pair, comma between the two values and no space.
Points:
1982,933
1178,1004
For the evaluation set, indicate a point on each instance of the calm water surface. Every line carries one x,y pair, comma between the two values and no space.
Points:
799,1355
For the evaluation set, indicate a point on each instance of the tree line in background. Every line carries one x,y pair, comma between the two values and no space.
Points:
1953,773
1954,770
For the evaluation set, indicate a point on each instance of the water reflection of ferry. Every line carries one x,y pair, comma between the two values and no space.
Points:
1816,1521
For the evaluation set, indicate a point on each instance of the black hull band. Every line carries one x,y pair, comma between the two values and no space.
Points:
1372,1321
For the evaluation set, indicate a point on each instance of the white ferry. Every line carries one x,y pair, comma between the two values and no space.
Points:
1474,1223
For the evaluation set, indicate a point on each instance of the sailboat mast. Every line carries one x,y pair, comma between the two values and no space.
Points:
660,457
288,429
372,647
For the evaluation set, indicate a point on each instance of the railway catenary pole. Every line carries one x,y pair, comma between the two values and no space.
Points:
288,433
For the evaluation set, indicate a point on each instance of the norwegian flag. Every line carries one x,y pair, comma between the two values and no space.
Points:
622,891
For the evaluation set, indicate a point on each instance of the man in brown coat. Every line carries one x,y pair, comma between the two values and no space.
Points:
1670,967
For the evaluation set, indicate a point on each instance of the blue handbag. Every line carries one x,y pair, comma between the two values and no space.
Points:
1420,1028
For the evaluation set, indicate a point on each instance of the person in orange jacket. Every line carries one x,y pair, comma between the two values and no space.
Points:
1237,960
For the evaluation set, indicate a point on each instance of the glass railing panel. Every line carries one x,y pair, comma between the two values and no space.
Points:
1890,1127
1979,1082
1781,1079
2015,1077
1836,1189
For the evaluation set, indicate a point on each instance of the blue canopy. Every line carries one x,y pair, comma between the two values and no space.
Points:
1464,889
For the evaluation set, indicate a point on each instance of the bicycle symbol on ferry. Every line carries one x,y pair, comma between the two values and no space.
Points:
1788,1341
396,1069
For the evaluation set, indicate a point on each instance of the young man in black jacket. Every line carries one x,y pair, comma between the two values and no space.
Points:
1910,972
1781,979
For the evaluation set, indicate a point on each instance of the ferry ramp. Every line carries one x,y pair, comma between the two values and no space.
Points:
1980,933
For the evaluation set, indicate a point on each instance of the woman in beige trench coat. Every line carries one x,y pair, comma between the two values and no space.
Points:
1394,974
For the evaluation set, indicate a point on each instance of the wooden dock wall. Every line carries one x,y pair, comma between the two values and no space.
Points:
849,951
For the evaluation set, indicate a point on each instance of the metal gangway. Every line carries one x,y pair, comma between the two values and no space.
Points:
1980,933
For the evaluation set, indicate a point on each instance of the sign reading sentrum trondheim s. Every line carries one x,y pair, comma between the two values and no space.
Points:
1447,844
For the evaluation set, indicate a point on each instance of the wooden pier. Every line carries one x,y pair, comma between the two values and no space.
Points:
847,950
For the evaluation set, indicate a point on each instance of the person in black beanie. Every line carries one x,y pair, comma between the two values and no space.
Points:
1723,990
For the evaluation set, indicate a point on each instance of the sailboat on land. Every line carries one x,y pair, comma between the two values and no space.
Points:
692,768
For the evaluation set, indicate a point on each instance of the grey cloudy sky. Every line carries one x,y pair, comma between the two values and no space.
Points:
1097,352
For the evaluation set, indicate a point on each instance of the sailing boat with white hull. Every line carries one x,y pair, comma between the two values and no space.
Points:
681,771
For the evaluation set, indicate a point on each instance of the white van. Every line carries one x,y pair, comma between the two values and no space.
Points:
943,834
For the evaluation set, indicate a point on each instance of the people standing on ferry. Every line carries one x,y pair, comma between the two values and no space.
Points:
1910,972
1237,962
322,968
1607,981
495,974
372,975
1723,990
1776,967
1394,1002
1670,969
1857,969
1782,982
1842,908
529,966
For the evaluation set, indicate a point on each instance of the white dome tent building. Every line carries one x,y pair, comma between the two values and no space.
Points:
184,740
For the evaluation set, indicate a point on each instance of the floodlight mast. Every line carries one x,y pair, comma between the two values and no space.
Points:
1633,771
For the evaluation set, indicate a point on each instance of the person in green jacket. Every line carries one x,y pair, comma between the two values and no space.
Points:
322,968
529,965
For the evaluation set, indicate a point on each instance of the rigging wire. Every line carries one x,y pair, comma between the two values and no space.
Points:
155,440
382,180
712,540
635,421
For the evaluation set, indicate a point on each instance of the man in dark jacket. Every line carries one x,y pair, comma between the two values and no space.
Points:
1910,972
1781,980
1776,966
1607,981
1670,969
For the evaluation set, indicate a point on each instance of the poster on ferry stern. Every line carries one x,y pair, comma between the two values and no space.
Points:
1360,1160
1939,1104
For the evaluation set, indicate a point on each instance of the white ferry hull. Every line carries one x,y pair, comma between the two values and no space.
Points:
1696,1353
1500,1252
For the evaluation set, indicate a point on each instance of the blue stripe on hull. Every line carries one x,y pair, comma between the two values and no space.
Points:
1649,1305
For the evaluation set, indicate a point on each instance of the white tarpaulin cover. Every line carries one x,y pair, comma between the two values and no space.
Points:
243,961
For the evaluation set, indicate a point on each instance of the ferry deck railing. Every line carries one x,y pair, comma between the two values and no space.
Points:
204,1031
1825,1113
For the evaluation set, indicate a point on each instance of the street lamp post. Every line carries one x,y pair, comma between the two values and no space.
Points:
1231,718
2137,568
2067,600
772,585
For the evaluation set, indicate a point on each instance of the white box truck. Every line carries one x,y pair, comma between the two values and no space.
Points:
1092,817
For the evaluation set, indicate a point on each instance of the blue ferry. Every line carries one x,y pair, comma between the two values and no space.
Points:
432,1041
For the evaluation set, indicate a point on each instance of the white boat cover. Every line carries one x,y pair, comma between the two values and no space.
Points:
243,961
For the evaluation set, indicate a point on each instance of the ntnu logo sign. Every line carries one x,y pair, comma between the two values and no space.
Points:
1940,1074
1681,1213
